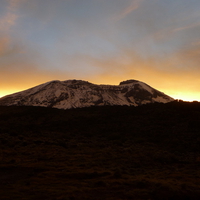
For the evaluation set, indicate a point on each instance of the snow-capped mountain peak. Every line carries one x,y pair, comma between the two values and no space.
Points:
78,93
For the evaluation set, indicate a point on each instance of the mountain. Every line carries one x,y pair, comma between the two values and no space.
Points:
77,93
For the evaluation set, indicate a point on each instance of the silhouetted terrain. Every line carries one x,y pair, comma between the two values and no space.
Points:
119,152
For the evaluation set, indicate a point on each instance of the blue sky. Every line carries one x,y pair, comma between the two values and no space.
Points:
102,41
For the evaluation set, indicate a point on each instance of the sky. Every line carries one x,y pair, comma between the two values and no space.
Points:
103,42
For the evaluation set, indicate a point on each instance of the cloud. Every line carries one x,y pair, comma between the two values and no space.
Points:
10,17
194,25
133,6
4,43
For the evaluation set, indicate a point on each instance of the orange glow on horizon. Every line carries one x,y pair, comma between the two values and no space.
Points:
185,96
7,92
180,95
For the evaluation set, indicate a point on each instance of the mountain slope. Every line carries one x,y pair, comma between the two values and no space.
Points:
78,93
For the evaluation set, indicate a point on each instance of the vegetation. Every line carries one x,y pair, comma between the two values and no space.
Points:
146,152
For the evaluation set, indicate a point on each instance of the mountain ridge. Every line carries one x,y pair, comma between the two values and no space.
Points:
78,93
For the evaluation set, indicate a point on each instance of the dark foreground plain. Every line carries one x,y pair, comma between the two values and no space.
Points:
147,152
